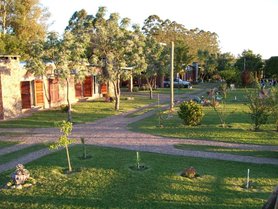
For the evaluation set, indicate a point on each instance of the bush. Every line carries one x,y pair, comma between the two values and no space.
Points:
144,87
191,113
230,76
259,104
135,89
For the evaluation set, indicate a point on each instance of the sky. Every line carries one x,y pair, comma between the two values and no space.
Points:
240,24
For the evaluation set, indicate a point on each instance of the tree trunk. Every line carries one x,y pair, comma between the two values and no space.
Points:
68,157
47,95
68,101
151,93
161,81
4,18
272,202
117,93
150,87
131,83
256,76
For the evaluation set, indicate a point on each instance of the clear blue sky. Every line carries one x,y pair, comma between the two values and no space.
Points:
240,24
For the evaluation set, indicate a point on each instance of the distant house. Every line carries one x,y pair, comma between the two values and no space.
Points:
192,72
20,90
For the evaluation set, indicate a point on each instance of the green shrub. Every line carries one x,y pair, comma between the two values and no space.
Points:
135,89
191,113
259,104
144,87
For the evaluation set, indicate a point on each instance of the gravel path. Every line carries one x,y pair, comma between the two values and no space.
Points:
113,132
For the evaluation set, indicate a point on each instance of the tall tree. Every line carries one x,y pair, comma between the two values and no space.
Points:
271,67
115,48
208,63
67,55
225,61
155,60
23,19
226,68
70,62
36,64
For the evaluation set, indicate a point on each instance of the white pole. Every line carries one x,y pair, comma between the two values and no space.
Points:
247,182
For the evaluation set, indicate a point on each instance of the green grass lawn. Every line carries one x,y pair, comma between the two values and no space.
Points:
238,130
105,181
82,112
4,144
246,152
194,89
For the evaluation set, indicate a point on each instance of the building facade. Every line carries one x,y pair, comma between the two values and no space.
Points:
21,91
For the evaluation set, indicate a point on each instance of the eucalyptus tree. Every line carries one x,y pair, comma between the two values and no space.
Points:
80,22
116,49
21,23
187,41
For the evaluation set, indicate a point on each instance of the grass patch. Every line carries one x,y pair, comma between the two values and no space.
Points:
235,151
105,181
236,116
82,112
17,154
4,144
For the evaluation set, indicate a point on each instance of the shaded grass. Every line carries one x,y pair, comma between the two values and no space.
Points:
237,118
235,151
141,112
105,181
195,88
82,112
4,144
17,154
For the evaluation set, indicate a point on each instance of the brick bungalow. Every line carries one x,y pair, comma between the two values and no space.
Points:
21,91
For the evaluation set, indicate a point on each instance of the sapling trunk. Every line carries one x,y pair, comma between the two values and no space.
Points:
84,148
68,157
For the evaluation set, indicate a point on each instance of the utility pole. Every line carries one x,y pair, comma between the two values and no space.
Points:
172,78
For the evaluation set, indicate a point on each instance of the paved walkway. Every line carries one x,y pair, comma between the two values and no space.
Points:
113,132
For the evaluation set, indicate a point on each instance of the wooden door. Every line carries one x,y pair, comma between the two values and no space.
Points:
88,86
25,94
54,90
103,88
39,96
78,90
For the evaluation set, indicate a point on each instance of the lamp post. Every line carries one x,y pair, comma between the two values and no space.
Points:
172,78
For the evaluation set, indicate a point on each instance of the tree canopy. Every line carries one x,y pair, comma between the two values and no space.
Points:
117,49
271,67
